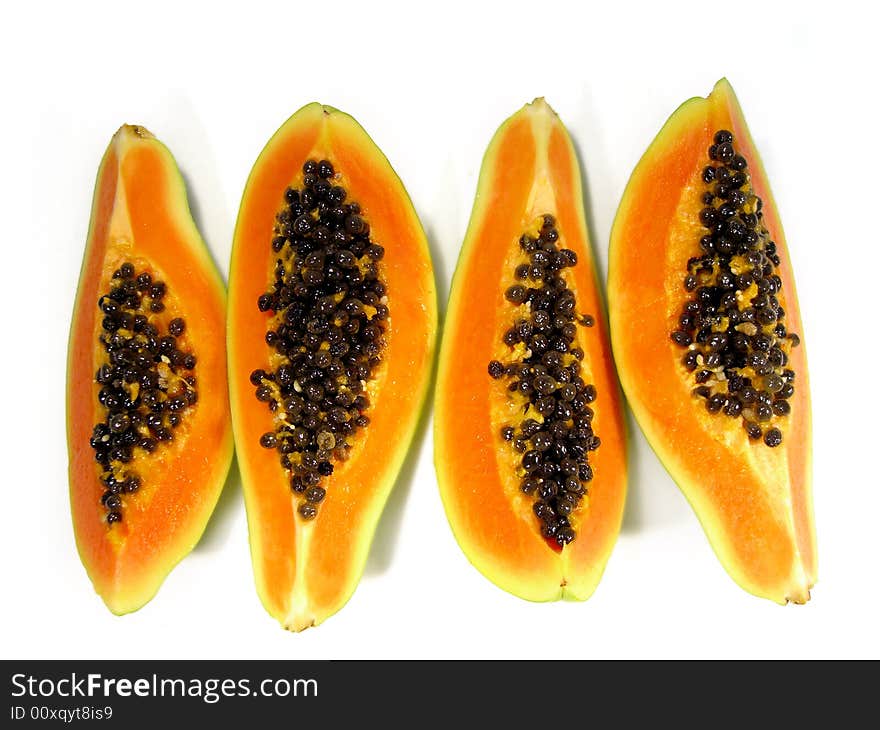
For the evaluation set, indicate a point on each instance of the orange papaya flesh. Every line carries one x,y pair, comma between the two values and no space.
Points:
751,494
346,296
530,171
148,424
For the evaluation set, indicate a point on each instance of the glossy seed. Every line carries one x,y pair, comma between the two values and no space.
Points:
763,411
325,169
733,407
753,430
681,338
781,408
516,294
715,402
315,494
773,437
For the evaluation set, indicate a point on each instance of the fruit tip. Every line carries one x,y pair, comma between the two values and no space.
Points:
138,131
722,86
327,109
132,131
539,105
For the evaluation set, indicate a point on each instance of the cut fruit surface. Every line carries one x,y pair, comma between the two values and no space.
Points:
148,424
530,447
706,332
332,322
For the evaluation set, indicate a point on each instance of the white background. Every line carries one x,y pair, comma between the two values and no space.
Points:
431,84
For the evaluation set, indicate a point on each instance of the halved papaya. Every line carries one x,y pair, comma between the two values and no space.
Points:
332,321
530,447
148,427
706,333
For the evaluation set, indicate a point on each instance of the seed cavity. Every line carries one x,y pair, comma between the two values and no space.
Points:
329,313
543,372
148,385
733,324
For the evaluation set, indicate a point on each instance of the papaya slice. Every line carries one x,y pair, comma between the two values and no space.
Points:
706,333
148,426
332,321
530,447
